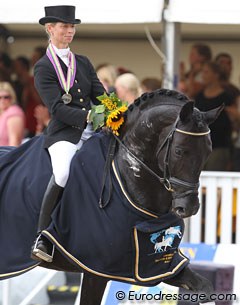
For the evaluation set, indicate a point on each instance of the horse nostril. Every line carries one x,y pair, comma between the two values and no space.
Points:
180,212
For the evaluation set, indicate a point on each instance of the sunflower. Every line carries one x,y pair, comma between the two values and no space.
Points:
115,119
109,113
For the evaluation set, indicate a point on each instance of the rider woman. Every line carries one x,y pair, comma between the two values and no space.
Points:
67,84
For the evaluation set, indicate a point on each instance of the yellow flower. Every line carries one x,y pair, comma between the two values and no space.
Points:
109,113
123,108
109,104
115,119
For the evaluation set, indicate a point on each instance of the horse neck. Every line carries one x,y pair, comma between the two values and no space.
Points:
142,140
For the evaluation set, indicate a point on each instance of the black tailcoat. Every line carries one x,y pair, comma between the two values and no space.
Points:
67,121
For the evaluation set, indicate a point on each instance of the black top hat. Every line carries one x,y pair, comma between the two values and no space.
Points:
60,13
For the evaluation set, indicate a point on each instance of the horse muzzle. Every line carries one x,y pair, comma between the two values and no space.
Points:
185,205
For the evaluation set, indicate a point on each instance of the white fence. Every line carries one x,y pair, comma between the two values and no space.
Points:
218,220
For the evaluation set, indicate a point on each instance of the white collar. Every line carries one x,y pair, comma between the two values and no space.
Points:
62,53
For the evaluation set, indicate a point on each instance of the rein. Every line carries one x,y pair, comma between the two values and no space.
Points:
167,180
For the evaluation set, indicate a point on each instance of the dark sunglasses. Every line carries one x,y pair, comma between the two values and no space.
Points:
5,97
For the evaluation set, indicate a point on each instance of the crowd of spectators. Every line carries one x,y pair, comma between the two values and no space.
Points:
204,78
208,83
17,74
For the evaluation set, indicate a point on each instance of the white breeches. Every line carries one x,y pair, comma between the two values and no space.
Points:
61,154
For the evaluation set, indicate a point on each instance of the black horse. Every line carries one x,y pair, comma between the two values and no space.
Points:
151,171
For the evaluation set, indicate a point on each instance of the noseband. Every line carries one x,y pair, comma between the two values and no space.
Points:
167,180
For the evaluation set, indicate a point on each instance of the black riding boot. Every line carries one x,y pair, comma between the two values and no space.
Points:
42,247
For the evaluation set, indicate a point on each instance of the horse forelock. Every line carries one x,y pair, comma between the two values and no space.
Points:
197,123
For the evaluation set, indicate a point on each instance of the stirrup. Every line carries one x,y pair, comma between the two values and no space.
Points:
42,255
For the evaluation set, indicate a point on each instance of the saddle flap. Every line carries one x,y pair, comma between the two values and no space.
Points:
156,245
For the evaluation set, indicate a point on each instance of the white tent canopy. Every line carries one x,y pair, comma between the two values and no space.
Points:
204,11
128,11
90,11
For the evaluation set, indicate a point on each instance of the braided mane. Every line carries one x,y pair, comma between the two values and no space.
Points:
152,99
159,97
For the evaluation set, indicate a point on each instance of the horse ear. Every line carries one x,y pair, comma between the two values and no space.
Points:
186,112
211,115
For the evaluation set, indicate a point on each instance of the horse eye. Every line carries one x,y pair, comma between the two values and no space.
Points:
178,151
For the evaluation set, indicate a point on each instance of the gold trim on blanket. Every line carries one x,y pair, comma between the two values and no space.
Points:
139,278
15,273
126,195
76,261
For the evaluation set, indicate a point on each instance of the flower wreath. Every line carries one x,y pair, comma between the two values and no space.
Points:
109,113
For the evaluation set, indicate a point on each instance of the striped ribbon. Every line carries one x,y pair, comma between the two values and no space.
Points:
66,84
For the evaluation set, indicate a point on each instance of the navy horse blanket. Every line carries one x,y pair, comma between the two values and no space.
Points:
120,241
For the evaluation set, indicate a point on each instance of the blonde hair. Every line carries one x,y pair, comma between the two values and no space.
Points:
131,83
107,74
46,29
5,86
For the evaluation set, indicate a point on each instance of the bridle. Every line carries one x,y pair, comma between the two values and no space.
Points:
167,180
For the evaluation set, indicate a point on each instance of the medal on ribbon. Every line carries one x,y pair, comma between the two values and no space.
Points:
66,83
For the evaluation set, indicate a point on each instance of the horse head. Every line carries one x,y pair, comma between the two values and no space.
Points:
166,144
188,146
